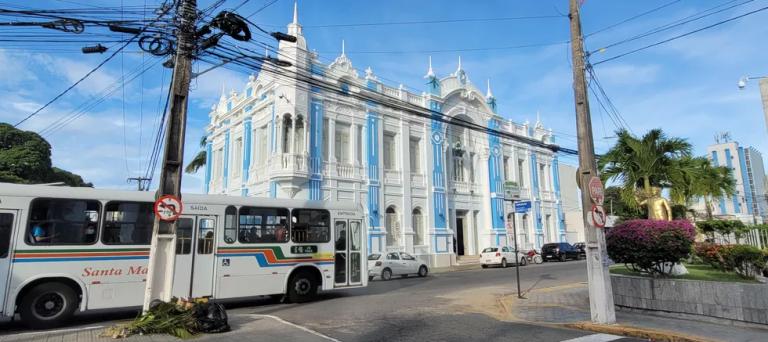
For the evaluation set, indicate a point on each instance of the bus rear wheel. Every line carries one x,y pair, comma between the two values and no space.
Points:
48,305
302,287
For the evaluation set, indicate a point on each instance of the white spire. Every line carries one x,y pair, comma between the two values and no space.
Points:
342,47
430,73
537,118
295,13
266,50
459,69
489,95
223,92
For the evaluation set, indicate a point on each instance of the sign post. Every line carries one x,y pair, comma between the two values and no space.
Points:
512,194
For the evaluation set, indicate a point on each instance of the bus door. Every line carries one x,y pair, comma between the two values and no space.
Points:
7,221
194,271
348,258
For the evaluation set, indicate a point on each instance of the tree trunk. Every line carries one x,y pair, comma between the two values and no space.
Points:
708,203
649,203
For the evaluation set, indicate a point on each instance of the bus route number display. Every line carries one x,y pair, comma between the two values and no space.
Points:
303,249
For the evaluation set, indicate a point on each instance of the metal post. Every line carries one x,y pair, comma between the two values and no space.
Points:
600,291
163,249
517,262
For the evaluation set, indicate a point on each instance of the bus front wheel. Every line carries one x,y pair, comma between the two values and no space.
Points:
302,288
48,305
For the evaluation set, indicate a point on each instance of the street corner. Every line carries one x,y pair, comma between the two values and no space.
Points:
637,332
245,327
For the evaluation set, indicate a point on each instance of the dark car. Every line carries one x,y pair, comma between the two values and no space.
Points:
582,247
560,251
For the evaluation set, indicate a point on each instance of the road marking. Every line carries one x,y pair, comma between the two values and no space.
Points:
58,331
298,327
595,338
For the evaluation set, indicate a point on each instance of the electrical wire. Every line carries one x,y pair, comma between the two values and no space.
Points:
633,18
422,22
90,72
680,36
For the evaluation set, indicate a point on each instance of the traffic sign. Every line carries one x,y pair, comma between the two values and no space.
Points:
168,208
522,207
511,191
597,214
596,190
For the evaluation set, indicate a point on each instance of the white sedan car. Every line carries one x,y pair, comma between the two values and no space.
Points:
386,265
501,256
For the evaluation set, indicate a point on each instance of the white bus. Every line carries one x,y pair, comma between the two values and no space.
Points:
63,249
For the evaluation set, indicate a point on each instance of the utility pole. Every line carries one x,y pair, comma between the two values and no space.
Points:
162,254
600,291
142,182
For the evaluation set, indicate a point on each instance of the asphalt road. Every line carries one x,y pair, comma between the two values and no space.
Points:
456,306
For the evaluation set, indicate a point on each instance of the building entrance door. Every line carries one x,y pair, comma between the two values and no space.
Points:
459,235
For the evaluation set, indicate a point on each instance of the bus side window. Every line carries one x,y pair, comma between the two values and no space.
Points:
6,226
63,222
128,223
310,225
230,225
263,225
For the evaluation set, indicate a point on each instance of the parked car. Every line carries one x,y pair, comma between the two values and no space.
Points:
582,247
501,256
386,265
560,251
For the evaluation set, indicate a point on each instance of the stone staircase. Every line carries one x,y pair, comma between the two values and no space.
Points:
468,260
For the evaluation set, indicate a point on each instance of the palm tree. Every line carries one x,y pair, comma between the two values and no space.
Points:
643,163
199,160
714,183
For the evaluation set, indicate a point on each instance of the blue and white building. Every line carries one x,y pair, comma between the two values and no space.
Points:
429,188
749,202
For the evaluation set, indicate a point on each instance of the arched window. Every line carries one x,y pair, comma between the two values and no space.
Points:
287,134
393,227
418,227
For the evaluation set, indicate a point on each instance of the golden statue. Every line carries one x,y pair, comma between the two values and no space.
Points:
659,208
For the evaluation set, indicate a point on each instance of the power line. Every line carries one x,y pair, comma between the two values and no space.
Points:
680,36
633,18
267,3
422,22
673,24
90,72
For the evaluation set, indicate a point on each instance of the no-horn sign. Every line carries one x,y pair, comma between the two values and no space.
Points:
168,208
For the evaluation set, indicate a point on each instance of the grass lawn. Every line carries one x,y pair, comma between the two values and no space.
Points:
696,272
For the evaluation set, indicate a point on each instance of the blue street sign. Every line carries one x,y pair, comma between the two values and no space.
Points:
522,207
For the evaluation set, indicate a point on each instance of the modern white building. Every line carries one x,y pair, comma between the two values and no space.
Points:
749,204
429,188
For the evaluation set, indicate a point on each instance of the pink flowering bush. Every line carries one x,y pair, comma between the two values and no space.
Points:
647,244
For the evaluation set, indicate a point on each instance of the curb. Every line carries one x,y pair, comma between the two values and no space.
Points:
448,269
629,331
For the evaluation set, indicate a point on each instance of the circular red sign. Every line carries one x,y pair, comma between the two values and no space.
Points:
168,208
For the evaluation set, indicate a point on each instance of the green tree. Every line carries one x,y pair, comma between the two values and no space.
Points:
713,183
615,205
25,157
642,163
200,159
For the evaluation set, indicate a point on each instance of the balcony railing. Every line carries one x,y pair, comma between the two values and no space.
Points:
345,170
462,187
392,177
289,163
418,179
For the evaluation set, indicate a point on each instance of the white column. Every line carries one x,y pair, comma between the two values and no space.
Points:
364,151
405,166
332,140
293,134
353,142
486,191
306,137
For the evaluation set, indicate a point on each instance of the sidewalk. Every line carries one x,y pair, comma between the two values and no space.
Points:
245,327
569,306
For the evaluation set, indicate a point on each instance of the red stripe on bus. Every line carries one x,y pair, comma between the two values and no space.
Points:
69,255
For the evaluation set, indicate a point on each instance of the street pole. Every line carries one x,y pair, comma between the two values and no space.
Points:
600,291
517,262
141,182
163,248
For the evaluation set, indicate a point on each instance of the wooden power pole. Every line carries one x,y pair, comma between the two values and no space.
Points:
600,291
163,249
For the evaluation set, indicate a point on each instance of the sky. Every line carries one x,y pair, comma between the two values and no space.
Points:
687,87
